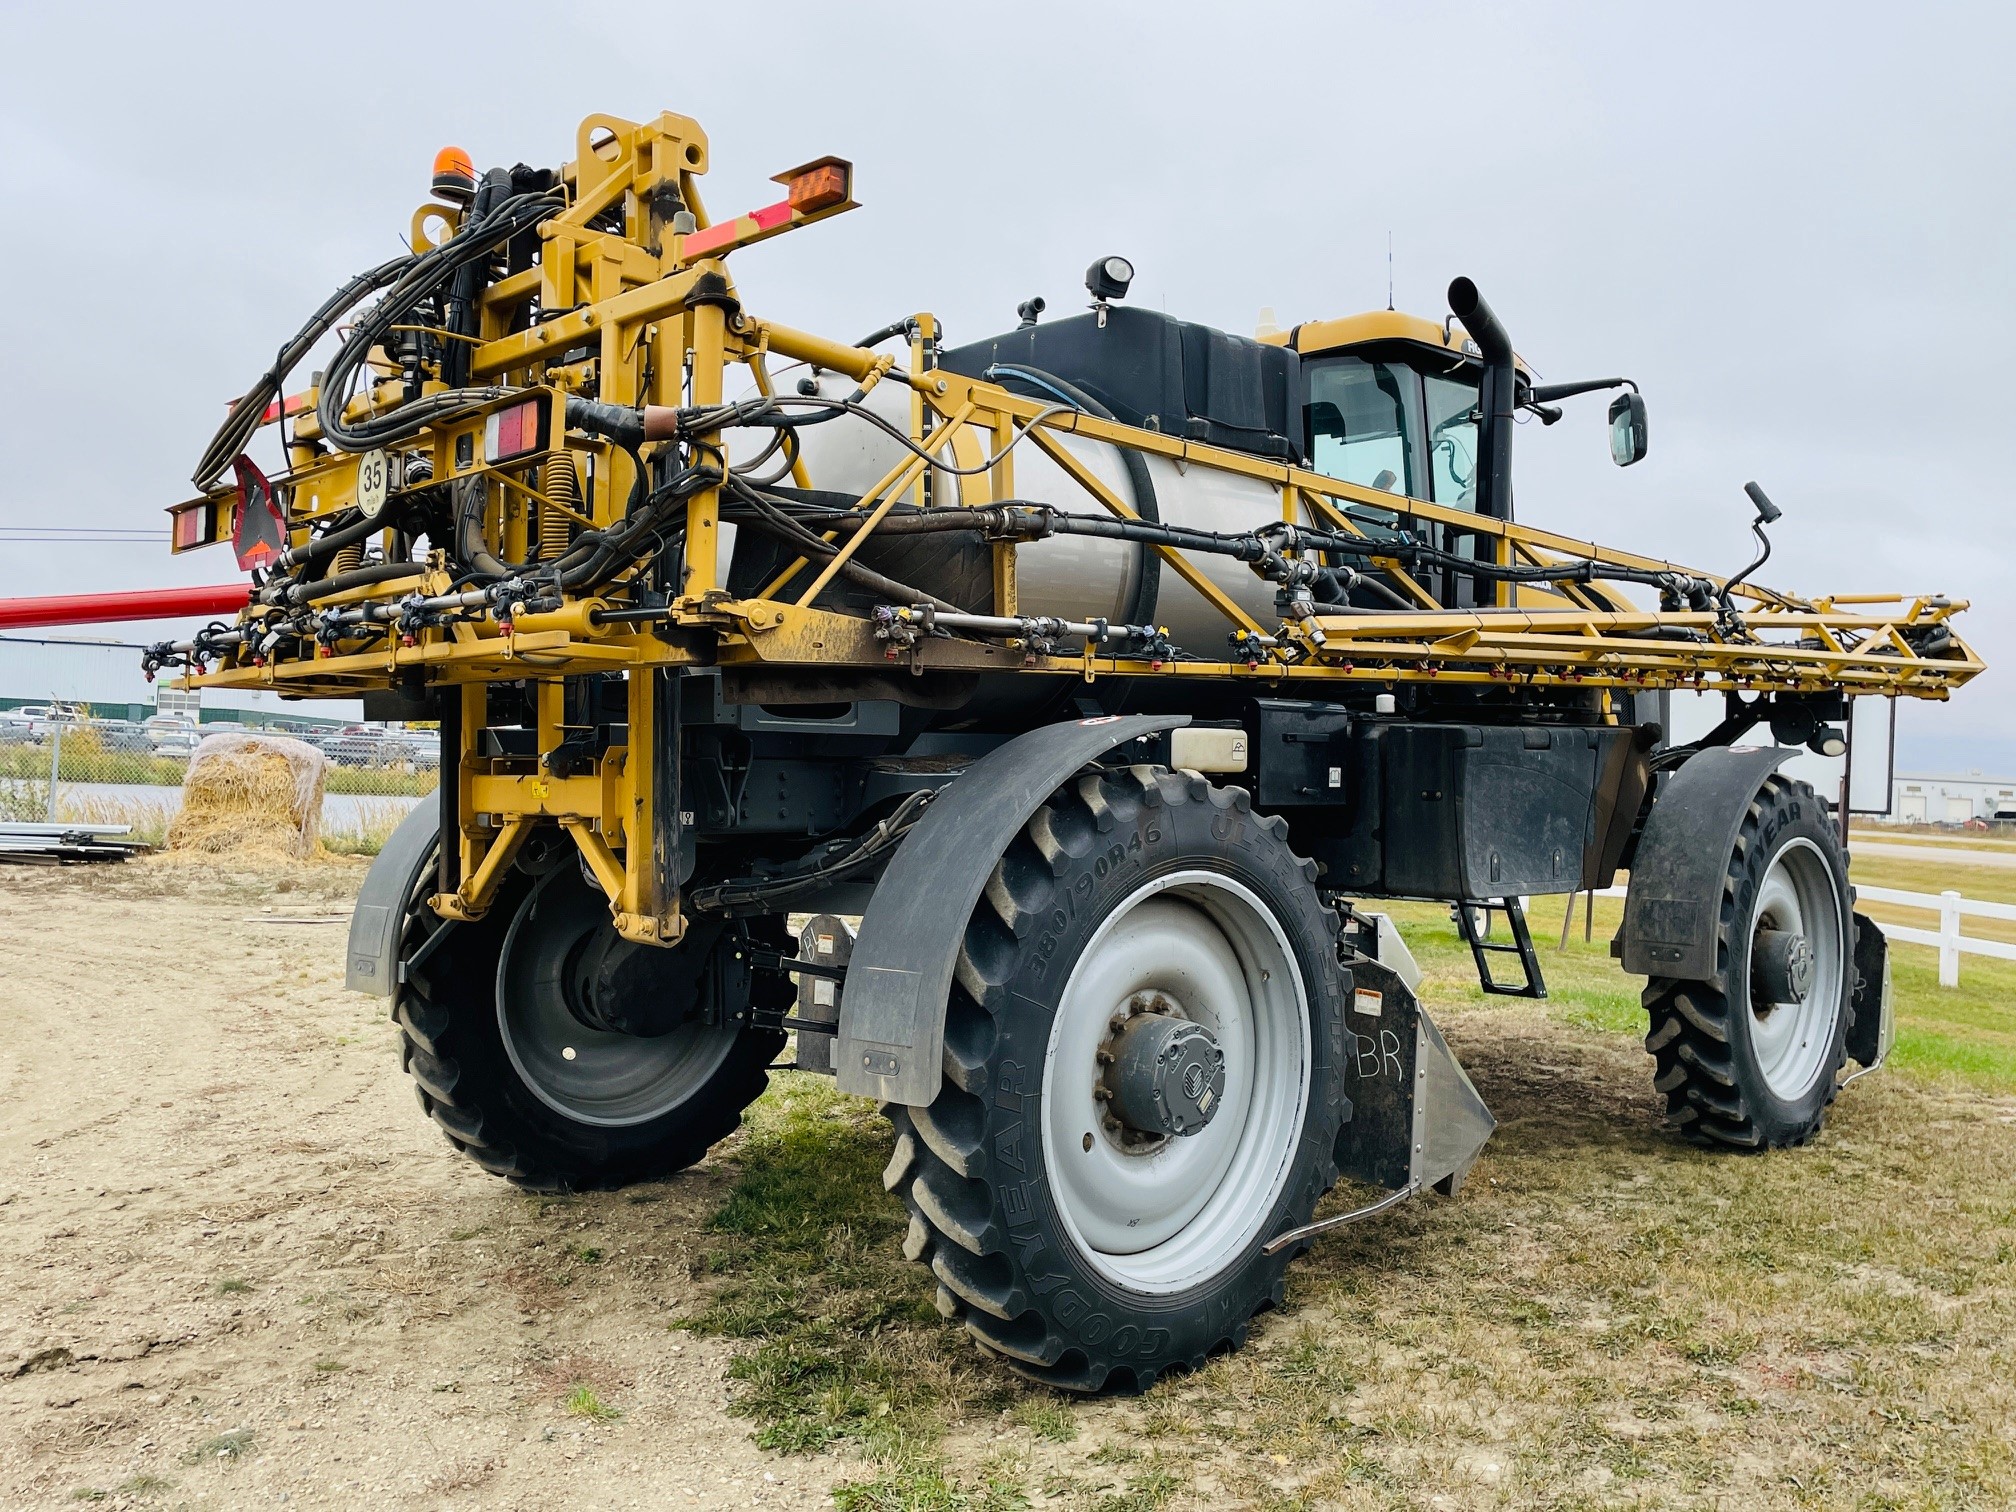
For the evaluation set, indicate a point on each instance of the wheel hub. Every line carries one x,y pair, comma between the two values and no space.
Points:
1163,1076
596,1055
1782,965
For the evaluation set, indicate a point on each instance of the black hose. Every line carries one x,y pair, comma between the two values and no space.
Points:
471,247
356,577
472,552
774,522
249,412
334,540
1147,595
894,328
458,311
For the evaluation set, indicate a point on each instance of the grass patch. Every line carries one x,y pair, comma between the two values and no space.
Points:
846,1344
364,829
582,1402
1047,1418
810,1272
231,1286
225,1446
925,1486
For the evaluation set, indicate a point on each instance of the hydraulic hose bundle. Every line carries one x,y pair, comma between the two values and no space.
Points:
409,281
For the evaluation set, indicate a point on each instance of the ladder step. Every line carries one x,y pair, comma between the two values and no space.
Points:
1532,983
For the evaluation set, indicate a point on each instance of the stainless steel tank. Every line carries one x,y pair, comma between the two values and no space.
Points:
1075,577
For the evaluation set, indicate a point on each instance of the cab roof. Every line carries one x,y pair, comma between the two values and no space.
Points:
1314,337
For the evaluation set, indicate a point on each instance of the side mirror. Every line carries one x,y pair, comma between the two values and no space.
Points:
1627,429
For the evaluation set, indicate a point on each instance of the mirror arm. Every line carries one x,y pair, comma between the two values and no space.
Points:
1549,393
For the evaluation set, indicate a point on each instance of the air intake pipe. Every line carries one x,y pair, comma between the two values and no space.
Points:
1494,464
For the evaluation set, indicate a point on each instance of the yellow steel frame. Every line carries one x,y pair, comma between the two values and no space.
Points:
630,296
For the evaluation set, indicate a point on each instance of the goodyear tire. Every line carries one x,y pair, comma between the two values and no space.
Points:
487,1044
1090,1247
1749,1061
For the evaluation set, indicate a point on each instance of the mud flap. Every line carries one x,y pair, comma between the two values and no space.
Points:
1875,1022
1416,1120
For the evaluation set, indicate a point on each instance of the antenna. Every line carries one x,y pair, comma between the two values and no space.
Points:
1389,270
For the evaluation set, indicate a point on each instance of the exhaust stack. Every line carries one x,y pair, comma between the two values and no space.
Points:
1494,470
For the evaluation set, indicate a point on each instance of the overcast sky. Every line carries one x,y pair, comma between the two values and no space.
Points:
1791,224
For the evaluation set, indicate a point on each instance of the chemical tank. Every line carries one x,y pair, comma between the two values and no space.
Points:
1075,577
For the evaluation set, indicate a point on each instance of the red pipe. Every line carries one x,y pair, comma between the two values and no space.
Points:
144,603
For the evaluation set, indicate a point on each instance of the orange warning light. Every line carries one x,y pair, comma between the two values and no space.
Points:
817,186
454,176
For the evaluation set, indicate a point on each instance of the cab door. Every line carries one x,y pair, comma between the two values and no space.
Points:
1377,419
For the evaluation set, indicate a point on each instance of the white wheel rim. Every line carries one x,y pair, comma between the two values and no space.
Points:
1792,1041
1179,1213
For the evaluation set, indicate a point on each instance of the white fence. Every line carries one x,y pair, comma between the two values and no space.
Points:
1946,939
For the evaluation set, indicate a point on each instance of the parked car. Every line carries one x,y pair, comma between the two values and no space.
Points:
172,735
56,713
356,746
122,736
419,749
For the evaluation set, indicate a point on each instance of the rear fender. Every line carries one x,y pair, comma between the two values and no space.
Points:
892,1007
379,920
1673,908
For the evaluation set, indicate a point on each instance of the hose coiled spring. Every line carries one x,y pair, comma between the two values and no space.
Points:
560,482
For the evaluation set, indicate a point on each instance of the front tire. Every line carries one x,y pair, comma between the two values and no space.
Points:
486,1037
1089,1245
1750,1061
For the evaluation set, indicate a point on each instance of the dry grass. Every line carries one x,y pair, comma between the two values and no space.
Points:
250,797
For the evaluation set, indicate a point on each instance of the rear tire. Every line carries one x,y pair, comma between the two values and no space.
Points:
480,1060
1742,1062
1088,1254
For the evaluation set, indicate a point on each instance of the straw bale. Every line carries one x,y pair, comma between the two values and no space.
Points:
250,797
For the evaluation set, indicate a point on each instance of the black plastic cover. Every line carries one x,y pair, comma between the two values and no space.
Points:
1454,811
1162,374
1476,811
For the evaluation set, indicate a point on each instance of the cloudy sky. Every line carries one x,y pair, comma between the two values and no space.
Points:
1791,224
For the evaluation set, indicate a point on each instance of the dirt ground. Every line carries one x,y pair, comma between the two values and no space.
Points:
238,1267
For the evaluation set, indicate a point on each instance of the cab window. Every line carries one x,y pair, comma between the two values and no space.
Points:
1452,412
1361,423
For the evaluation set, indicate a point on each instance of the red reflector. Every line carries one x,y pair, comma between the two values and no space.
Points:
512,432
818,186
190,528
293,404
700,243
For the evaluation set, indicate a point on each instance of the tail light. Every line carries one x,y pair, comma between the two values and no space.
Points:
515,431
